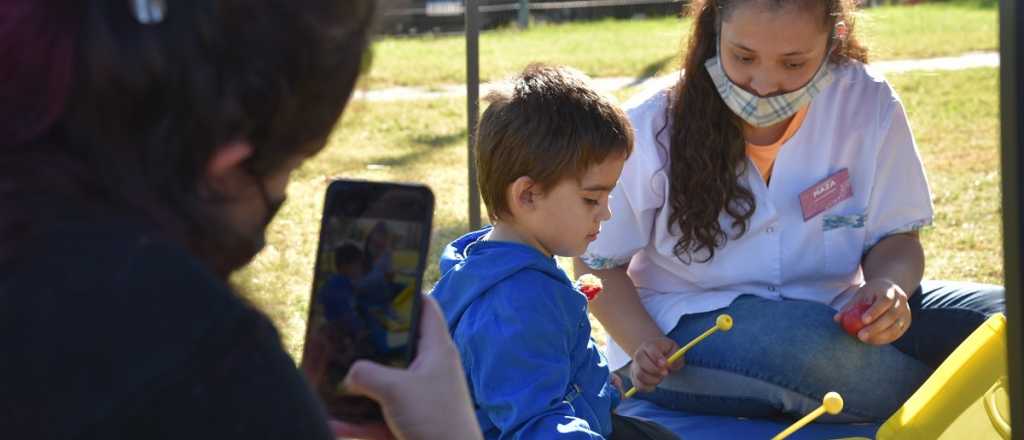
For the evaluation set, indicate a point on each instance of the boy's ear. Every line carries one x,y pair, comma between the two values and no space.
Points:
521,194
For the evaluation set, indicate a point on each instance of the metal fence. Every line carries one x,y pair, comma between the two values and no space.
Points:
417,16
446,16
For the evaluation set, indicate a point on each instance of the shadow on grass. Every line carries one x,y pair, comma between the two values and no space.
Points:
439,140
426,145
651,70
403,159
980,4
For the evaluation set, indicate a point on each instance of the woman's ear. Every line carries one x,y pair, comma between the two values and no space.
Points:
226,171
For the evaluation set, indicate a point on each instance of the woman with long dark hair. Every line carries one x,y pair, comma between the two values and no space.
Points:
778,181
144,147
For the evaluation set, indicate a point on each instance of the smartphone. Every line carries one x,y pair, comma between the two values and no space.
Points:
367,284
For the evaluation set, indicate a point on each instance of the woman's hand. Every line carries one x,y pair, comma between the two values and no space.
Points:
889,316
429,400
650,363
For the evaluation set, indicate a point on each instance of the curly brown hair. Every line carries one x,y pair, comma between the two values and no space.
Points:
707,149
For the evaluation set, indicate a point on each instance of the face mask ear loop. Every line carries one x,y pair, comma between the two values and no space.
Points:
839,35
841,31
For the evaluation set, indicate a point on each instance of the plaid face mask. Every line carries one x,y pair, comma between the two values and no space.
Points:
765,111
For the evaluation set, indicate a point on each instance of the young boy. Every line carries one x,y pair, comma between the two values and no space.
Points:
549,151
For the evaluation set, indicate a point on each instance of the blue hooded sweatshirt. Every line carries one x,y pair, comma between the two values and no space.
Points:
522,330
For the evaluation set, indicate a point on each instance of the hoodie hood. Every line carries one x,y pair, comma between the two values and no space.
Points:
482,264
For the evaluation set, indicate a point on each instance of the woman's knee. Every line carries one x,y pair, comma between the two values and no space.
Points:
796,349
983,299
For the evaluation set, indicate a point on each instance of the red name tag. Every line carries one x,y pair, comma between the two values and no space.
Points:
826,194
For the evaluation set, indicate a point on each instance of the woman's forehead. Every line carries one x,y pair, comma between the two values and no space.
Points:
785,30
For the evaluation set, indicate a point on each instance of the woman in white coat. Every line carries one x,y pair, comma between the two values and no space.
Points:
779,182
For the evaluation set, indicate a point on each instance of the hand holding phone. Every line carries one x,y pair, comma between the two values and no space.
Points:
367,284
429,400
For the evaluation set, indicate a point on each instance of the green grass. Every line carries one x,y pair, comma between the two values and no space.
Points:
929,30
640,48
954,116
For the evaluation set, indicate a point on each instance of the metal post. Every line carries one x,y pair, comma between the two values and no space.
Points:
1012,118
524,14
473,104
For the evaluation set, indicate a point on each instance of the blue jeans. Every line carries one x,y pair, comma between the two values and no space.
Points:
781,357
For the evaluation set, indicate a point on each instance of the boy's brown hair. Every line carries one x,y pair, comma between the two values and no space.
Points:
549,125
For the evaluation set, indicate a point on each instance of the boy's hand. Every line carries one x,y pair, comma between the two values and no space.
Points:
616,382
650,363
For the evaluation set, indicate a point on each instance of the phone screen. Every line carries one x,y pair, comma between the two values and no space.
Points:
366,299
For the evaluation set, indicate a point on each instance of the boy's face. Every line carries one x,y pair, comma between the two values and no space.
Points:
568,216
351,271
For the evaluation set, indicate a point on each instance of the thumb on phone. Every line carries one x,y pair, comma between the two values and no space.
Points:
380,382
372,380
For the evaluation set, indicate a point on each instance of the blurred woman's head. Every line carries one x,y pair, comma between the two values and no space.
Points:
377,243
190,114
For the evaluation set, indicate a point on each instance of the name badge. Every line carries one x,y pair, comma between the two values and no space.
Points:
826,194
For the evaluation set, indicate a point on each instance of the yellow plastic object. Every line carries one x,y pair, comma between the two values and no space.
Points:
966,397
723,322
401,308
404,260
832,403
